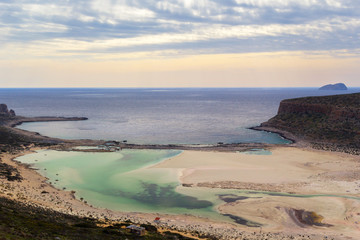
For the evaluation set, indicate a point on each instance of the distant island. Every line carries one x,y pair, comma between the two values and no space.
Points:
337,86
328,122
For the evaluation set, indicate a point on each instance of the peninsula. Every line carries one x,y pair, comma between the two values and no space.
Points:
328,122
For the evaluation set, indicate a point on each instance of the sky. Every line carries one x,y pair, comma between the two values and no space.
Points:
174,43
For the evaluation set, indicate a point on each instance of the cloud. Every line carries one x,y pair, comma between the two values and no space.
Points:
115,11
85,27
46,10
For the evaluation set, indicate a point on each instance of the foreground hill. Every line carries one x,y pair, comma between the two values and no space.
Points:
330,122
20,221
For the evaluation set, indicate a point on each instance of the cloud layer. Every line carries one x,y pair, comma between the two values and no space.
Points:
84,28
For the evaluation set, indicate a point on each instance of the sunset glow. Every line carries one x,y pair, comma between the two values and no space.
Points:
177,43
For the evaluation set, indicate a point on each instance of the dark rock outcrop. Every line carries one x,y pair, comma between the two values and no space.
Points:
4,111
337,86
12,112
329,120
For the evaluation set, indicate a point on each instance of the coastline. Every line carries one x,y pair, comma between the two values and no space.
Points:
34,184
66,144
64,201
34,190
284,134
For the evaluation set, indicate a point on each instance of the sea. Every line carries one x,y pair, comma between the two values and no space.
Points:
156,116
125,180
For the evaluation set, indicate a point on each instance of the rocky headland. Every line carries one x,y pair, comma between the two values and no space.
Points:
12,138
5,112
327,122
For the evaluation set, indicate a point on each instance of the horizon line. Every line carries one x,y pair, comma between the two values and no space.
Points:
349,87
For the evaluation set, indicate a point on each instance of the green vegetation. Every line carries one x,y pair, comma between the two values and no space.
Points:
19,221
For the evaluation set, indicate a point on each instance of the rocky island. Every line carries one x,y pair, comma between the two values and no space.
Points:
334,87
330,122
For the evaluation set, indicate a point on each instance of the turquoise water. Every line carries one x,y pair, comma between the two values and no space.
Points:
125,181
120,180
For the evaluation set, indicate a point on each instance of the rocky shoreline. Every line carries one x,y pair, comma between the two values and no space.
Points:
328,123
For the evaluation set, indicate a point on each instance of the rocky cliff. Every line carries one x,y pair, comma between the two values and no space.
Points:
329,120
4,111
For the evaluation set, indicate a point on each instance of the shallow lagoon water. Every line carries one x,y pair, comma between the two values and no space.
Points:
125,181
121,181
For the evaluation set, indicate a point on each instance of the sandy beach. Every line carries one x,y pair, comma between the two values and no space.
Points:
287,169
290,169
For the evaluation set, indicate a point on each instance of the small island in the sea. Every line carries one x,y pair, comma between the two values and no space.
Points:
334,87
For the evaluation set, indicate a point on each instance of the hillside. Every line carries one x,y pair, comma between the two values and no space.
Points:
21,221
331,122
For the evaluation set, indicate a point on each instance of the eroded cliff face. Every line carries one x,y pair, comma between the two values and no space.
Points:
332,112
327,120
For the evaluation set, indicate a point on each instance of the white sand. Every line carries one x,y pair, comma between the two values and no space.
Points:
288,169
285,166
